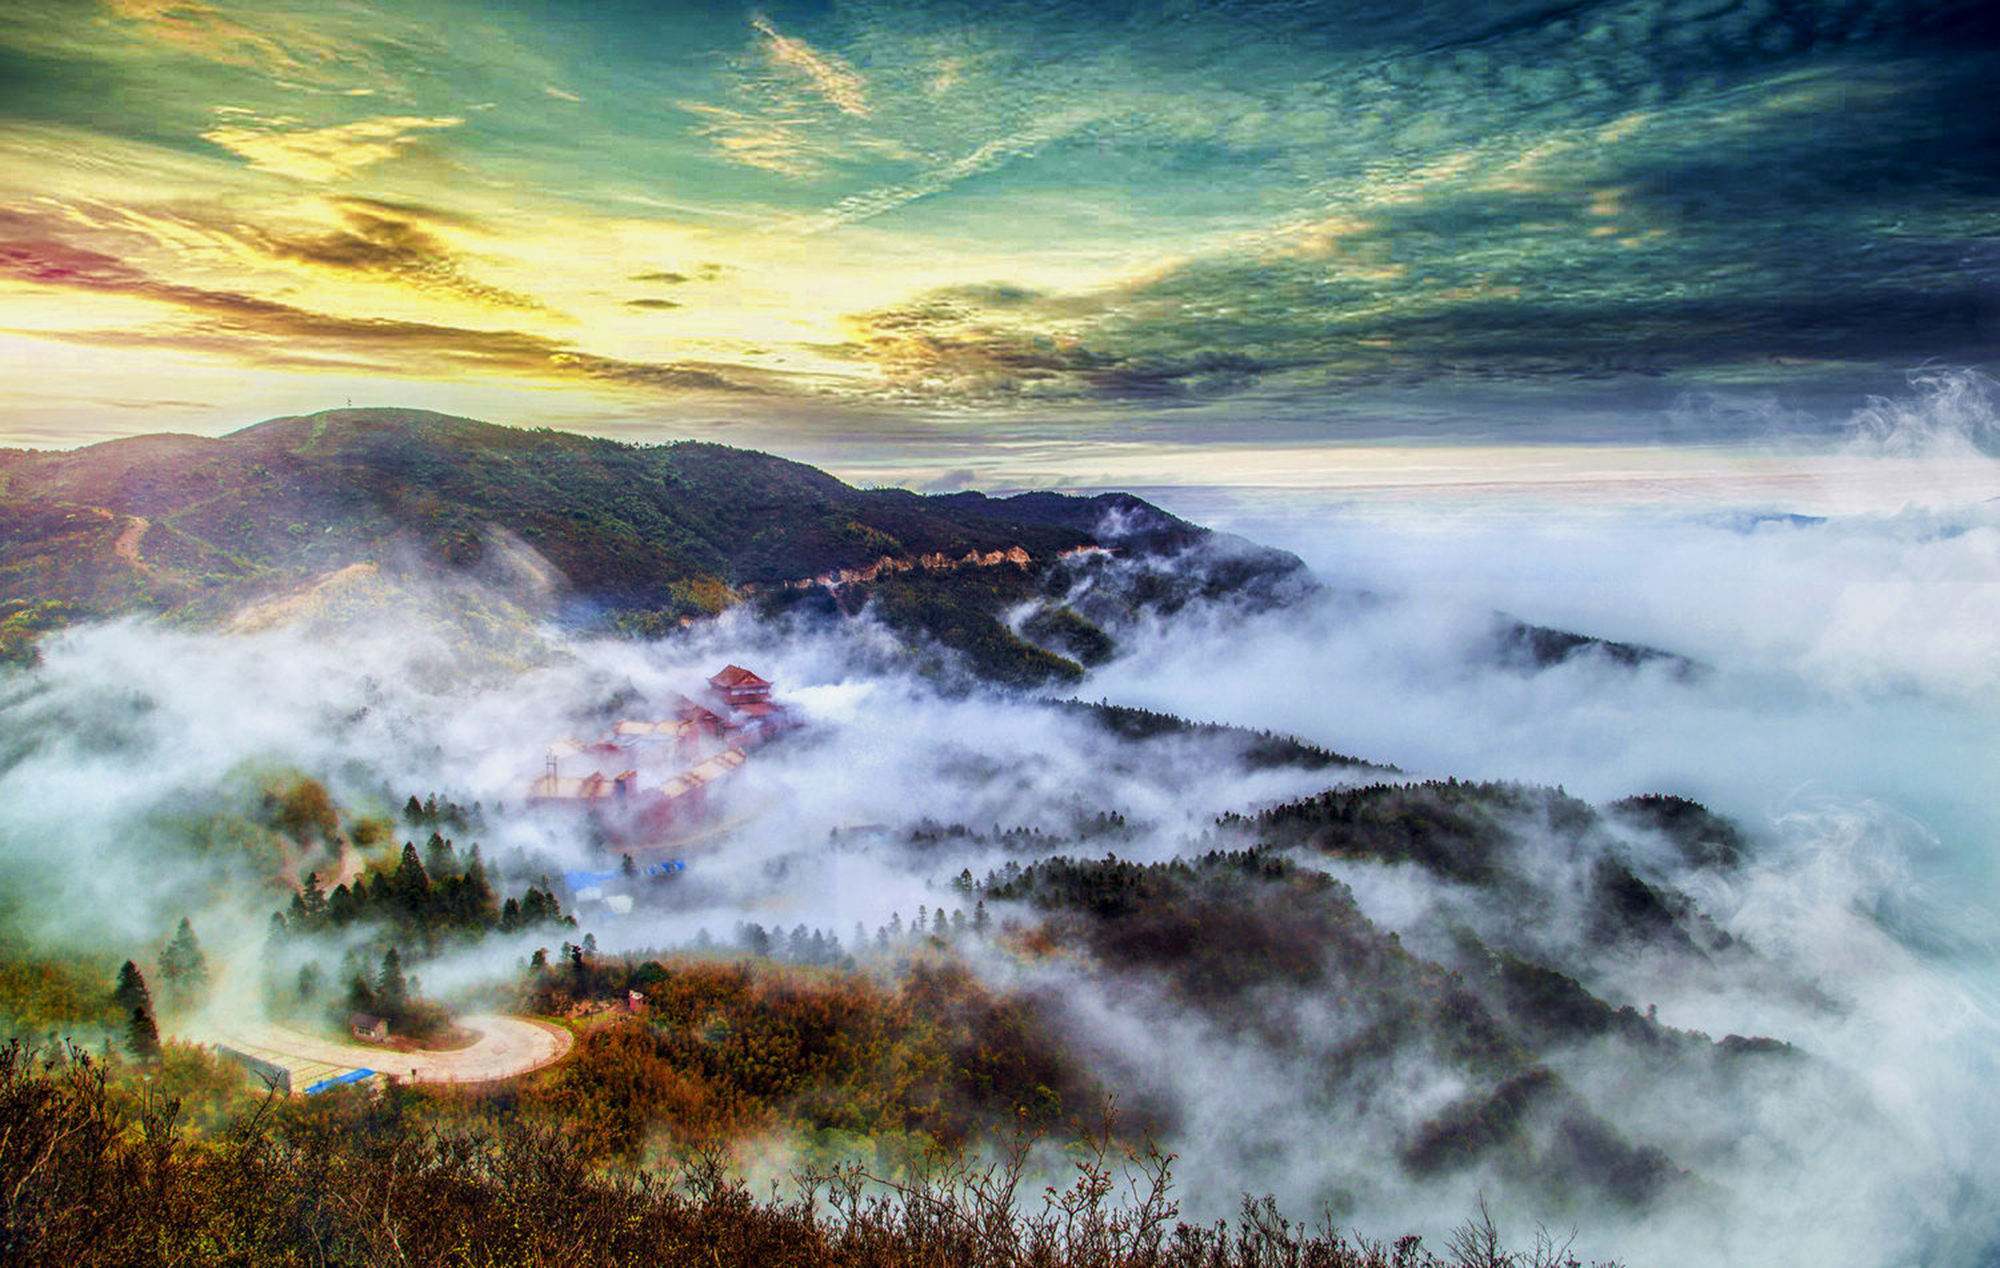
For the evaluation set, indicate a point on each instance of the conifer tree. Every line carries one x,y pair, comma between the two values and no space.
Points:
312,897
142,1034
980,920
131,992
412,884
340,906
392,990
182,963
438,857
361,995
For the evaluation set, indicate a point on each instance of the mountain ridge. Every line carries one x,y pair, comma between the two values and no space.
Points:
644,537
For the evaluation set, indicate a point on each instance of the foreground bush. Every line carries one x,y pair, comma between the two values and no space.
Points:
86,1182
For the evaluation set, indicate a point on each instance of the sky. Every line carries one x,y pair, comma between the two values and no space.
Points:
1173,240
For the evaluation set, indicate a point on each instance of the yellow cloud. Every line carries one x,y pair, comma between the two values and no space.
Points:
208,31
752,140
322,154
827,75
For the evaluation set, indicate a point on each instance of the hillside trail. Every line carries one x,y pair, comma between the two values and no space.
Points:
126,546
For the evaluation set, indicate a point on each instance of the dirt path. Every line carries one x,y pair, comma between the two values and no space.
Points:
127,545
506,1047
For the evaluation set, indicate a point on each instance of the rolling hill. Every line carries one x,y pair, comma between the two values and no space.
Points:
595,532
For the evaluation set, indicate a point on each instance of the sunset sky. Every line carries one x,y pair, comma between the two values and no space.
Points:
878,229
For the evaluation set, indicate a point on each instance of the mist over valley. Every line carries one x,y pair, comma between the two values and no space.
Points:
1626,873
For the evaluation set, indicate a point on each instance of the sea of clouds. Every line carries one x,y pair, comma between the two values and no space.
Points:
1846,710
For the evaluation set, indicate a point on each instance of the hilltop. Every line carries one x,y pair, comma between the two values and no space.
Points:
590,530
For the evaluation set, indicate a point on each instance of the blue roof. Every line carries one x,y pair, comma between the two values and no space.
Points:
584,880
338,1080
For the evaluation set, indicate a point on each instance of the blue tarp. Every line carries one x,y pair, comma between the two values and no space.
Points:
661,869
587,880
340,1080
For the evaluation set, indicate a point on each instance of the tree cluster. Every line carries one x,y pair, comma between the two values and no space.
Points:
424,901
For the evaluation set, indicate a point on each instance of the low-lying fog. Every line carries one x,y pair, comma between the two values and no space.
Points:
1847,713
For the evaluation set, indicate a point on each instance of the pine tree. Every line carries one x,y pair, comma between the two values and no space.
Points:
438,858
411,883
980,920
308,980
392,990
142,1034
413,810
340,905
131,992
312,898
477,892
182,963
361,995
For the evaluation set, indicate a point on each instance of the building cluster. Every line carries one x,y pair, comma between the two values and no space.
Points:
647,780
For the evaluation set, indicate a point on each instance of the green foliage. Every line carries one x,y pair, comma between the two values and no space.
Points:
413,905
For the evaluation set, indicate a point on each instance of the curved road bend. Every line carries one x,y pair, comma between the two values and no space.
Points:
506,1047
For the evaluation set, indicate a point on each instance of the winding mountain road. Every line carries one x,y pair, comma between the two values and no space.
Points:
506,1047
